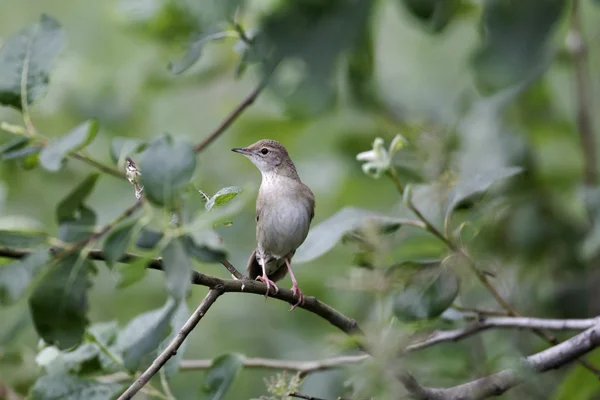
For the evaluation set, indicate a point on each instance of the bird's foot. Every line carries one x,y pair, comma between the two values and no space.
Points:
264,279
297,293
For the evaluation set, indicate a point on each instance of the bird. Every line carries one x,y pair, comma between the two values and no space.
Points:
285,208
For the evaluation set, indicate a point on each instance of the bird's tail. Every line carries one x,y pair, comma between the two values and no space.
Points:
255,270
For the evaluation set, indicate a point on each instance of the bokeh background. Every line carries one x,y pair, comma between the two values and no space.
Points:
429,87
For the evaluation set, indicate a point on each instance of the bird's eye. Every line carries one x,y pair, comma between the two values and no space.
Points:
264,150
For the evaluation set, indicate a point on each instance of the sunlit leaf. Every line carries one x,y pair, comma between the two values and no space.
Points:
117,240
34,50
59,304
167,166
68,387
16,277
221,376
323,237
223,196
52,156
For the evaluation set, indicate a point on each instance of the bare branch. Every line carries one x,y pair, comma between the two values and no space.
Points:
496,384
172,348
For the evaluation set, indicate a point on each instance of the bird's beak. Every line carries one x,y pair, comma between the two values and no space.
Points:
243,151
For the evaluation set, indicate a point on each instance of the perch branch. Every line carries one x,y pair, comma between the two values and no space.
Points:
172,348
496,384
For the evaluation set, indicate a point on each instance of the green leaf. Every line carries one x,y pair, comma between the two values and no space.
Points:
221,375
140,339
52,156
58,305
434,14
516,35
16,277
20,153
117,241
68,387
33,51
72,203
179,319
148,239
167,165
22,239
122,147
223,196
178,268
195,50
579,384
472,185
132,273
79,228
361,67
323,237
16,143
203,248
427,296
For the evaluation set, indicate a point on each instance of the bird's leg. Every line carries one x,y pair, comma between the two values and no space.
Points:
265,279
295,288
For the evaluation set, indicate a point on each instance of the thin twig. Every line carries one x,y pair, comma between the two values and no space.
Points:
585,124
98,165
247,102
172,348
304,396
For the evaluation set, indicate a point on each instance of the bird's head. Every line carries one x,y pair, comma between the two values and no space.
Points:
269,156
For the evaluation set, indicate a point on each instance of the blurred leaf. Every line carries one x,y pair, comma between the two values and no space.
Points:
427,296
58,304
179,319
203,247
221,376
194,51
148,239
78,228
473,185
32,50
361,66
515,39
22,152
579,384
328,233
132,273
16,143
23,239
117,241
177,267
139,340
16,277
434,14
122,147
167,165
54,153
68,387
295,32
71,203
223,196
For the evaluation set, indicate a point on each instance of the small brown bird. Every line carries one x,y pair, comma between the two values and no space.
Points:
285,208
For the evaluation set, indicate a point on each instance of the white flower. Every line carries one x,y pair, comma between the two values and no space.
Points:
378,160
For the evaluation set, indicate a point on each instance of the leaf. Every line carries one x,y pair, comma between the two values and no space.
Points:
323,237
16,277
68,387
434,14
117,241
194,51
179,319
428,295
16,143
139,340
178,268
223,196
32,50
578,384
474,184
148,239
79,228
204,249
52,156
22,239
132,273
361,65
221,375
515,41
58,305
71,204
167,165
122,147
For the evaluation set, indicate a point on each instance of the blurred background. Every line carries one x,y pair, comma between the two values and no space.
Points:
469,90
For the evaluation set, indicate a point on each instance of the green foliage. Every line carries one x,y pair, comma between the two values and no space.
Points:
67,387
53,155
16,277
117,241
220,376
122,147
434,14
223,197
21,239
26,60
72,203
130,274
163,180
59,305
177,267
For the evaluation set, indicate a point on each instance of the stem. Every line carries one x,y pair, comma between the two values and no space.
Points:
97,164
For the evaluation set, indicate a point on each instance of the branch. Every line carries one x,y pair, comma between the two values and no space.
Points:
497,384
585,124
172,348
247,102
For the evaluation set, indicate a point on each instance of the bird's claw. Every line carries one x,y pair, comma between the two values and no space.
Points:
297,293
269,283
